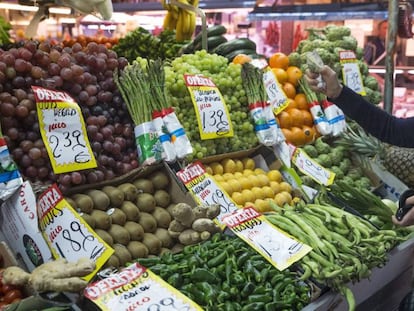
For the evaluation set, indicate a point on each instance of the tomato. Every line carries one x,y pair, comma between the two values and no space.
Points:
7,288
12,295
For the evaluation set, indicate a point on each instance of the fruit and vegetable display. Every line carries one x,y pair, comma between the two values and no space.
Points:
181,18
226,274
215,36
4,32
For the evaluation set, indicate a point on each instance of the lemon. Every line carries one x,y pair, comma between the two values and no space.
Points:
229,166
248,204
246,183
239,165
248,172
268,192
248,195
218,177
217,168
228,176
255,181
275,186
208,169
288,196
281,199
248,163
259,171
263,180
226,187
235,185
274,175
262,206
284,186
238,175
258,192
237,197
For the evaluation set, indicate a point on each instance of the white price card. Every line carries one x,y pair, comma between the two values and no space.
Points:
311,168
67,234
205,190
212,114
277,97
351,74
137,288
277,246
63,131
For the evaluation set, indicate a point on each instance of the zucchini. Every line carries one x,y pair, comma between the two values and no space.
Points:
215,30
235,44
212,43
234,53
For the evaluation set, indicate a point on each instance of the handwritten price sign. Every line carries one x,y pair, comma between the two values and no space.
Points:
67,234
351,73
63,131
205,190
277,97
137,288
212,114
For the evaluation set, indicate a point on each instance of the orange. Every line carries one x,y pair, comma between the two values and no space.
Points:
280,74
291,103
309,133
284,119
298,136
241,59
294,74
279,60
307,118
289,89
296,116
288,134
301,101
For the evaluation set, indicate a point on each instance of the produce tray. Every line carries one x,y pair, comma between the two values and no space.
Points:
382,291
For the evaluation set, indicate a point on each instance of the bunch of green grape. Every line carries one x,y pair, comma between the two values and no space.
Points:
227,77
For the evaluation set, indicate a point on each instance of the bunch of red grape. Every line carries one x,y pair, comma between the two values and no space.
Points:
86,73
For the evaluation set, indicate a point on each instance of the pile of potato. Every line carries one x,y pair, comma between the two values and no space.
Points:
133,217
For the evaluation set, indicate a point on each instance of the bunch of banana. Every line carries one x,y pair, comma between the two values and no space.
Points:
181,20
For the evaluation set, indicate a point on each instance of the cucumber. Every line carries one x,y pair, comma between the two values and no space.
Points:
235,44
234,53
212,43
215,30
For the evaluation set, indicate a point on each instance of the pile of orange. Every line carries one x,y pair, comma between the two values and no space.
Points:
295,120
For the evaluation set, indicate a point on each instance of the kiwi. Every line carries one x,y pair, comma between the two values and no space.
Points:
162,217
164,251
112,262
102,219
153,243
105,236
148,222
170,208
177,248
129,190
122,253
136,232
117,215
89,220
162,198
165,238
100,199
72,203
84,203
137,249
119,234
146,202
144,185
116,196
131,211
159,180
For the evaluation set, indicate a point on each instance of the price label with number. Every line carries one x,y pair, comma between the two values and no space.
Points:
63,131
205,190
137,288
351,74
311,168
67,234
277,246
275,93
211,110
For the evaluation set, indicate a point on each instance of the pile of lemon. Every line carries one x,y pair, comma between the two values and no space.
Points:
249,185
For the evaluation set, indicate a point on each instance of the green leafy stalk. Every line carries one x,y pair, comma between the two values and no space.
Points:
156,77
252,79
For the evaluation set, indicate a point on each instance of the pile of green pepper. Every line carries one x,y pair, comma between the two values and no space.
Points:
226,274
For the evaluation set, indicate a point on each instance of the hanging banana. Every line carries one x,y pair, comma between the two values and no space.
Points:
181,20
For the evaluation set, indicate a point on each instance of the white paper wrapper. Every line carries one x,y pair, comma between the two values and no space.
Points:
168,153
263,131
277,133
179,138
335,116
10,178
148,144
320,120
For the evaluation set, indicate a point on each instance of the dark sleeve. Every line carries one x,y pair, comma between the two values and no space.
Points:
376,121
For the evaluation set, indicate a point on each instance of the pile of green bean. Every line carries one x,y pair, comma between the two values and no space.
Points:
345,247
226,274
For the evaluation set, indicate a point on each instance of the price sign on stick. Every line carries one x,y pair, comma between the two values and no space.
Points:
277,97
67,234
351,73
137,288
63,131
205,190
212,114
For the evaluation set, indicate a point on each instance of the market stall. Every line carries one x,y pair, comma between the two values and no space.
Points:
179,171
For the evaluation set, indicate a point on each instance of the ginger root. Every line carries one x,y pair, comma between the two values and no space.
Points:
57,276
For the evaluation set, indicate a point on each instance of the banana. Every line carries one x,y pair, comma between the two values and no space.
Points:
168,21
191,26
179,34
186,23
194,3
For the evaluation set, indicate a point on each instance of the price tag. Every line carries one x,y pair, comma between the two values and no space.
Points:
137,288
63,131
275,93
212,113
205,190
311,168
67,234
277,246
351,73
260,63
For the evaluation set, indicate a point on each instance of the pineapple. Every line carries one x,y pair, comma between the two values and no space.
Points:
398,161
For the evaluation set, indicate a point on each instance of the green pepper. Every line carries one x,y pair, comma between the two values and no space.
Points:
260,290
242,259
255,306
175,280
228,306
229,267
223,297
247,289
276,278
259,298
237,278
148,262
275,306
214,262
203,275
264,274
208,292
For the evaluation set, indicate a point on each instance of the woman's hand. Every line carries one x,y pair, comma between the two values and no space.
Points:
408,218
331,88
